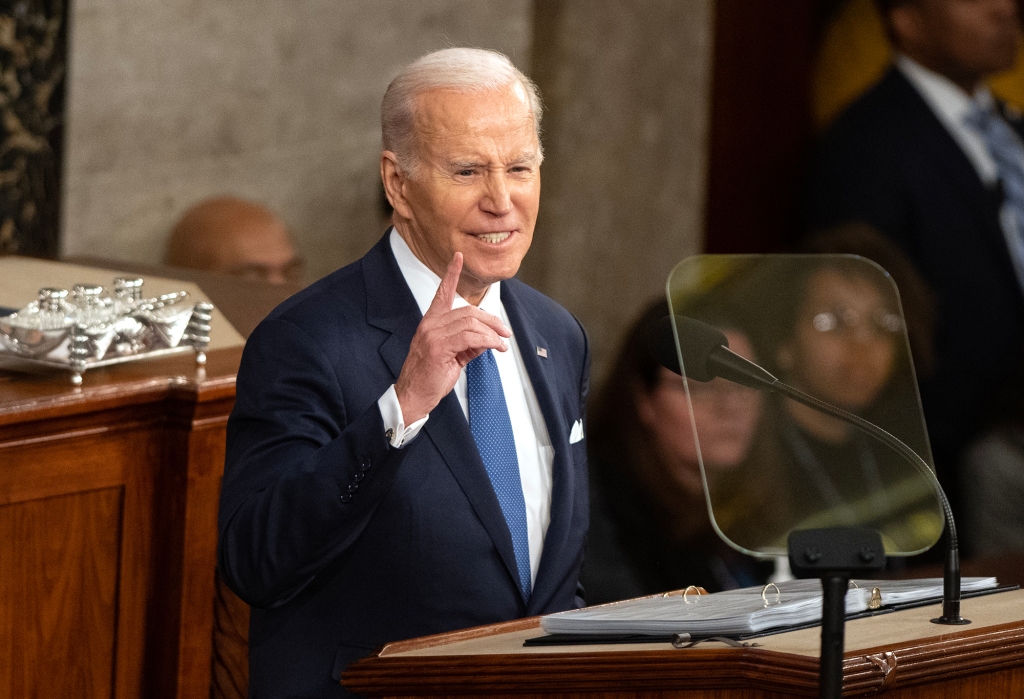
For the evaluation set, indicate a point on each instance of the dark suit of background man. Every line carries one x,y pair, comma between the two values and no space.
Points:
357,507
912,159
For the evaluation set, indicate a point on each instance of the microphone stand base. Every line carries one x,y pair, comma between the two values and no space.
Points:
951,620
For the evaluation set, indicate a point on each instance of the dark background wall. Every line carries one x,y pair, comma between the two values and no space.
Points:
760,121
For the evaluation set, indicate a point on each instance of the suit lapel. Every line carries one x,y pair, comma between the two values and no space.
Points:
392,307
529,337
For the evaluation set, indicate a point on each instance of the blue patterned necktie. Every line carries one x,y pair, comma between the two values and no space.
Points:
492,430
1008,153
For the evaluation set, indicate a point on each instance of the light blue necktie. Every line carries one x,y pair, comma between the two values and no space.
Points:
492,430
1006,149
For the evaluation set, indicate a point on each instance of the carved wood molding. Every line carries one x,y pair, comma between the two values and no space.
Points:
956,655
887,663
29,399
584,672
953,655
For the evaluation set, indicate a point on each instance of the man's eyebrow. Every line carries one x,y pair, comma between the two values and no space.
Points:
524,159
464,164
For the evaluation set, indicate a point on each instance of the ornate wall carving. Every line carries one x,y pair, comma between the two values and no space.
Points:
33,54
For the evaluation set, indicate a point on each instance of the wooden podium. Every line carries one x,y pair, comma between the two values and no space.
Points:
108,508
900,655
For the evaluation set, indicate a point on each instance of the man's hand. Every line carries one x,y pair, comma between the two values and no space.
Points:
445,341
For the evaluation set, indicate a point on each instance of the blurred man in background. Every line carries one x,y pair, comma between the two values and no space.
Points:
234,236
929,158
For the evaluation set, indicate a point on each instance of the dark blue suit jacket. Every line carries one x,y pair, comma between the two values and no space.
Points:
341,543
888,161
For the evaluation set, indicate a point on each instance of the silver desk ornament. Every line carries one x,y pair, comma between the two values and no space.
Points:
95,328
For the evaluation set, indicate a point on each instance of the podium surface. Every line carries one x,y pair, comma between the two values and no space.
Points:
899,654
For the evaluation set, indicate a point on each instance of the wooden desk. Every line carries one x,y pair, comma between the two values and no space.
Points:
108,509
902,654
108,505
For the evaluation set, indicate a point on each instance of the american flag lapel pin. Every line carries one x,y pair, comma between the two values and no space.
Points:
542,352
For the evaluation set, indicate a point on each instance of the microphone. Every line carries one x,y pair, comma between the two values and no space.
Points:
706,355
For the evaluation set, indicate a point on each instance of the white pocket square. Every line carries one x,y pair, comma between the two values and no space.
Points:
576,435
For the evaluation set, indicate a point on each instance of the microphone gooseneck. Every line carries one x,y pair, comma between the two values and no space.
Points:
706,355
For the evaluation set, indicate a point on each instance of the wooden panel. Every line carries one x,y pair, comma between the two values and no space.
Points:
125,449
187,571
59,560
77,461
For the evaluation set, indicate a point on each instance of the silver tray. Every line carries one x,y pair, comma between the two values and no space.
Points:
194,338
43,366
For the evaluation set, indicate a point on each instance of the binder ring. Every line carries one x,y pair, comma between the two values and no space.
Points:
764,595
696,591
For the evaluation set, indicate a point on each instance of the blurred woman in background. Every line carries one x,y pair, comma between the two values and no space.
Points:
650,530
838,335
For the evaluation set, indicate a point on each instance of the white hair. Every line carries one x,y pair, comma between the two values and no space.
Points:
458,69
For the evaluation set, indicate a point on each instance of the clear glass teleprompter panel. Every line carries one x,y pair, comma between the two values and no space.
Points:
833,327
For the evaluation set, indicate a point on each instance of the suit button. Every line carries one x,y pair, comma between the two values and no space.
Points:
359,475
346,497
365,466
353,487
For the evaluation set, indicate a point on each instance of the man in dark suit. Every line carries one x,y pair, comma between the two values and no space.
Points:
915,159
406,453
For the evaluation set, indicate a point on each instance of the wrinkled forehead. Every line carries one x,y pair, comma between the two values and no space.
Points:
449,116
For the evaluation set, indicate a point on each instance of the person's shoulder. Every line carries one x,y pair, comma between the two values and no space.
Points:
336,292
872,136
1013,116
882,113
332,309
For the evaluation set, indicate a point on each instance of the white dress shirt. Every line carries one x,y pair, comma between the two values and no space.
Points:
533,444
951,105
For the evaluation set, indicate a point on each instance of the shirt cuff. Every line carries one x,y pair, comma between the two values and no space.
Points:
396,431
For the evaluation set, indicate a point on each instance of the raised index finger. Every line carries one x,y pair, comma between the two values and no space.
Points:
445,296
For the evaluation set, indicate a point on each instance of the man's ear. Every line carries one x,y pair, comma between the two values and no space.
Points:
394,179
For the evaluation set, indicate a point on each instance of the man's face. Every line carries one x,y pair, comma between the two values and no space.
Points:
477,186
258,249
965,40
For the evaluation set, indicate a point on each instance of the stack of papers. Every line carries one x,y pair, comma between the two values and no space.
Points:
905,591
740,612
